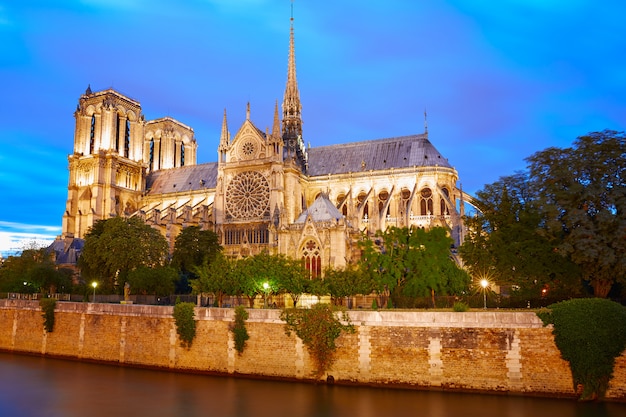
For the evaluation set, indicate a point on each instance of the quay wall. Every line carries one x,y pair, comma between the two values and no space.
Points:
485,351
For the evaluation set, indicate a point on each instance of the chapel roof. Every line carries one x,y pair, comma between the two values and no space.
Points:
321,210
380,154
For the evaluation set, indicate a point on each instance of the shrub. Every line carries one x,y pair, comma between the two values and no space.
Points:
47,312
318,327
374,304
185,323
240,333
590,333
460,307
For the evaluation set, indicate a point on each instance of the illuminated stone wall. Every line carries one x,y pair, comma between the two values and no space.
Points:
478,351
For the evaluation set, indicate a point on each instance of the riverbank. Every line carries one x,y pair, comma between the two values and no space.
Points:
483,351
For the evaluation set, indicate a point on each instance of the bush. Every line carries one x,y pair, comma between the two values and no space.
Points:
460,307
240,333
47,312
318,327
374,304
185,323
590,333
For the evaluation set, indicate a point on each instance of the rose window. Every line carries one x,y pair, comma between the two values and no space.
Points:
248,195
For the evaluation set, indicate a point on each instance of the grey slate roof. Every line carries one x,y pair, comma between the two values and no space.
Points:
321,210
400,152
380,154
189,178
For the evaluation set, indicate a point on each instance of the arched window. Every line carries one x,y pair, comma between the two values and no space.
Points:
445,211
361,198
182,154
127,139
383,196
341,204
116,143
312,259
92,134
151,154
426,203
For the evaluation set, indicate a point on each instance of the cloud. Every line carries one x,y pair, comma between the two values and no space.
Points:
15,237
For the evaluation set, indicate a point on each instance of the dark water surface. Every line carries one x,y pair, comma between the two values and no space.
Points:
44,387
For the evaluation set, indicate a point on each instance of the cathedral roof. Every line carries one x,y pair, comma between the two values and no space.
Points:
189,178
321,210
399,152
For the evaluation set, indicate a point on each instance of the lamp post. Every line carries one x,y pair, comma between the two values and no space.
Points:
94,285
265,287
484,283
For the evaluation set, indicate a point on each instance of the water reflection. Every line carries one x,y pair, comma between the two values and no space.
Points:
38,387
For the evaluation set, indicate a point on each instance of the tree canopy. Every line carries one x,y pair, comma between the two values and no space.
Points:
412,262
118,245
194,246
561,219
34,271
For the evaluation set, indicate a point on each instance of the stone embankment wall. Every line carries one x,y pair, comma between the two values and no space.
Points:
483,351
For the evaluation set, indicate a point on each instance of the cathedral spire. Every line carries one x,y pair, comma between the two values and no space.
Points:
276,125
292,109
225,136
292,121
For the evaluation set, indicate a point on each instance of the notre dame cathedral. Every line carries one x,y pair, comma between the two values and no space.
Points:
266,192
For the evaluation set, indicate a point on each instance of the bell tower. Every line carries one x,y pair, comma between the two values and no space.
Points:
107,170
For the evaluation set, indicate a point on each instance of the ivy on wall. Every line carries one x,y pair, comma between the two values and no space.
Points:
47,312
240,333
184,316
590,333
318,327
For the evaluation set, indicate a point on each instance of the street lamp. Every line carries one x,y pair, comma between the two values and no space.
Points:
94,285
484,283
265,287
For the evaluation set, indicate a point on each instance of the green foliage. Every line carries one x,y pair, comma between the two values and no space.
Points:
219,278
318,328
374,304
194,247
590,333
346,282
158,281
33,271
184,316
47,312
412,262
240,333
561,220
116,246
460,307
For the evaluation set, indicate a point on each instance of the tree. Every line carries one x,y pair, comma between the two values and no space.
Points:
583,201
218,278
504,242
116,246
157,281
292,278
412,262
193,247
259,274
33,271
347,282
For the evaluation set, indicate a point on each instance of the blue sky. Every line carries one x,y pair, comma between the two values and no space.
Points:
499,80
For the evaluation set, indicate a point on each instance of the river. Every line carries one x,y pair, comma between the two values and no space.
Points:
33,386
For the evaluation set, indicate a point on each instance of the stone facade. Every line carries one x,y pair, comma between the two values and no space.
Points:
267,191
507,352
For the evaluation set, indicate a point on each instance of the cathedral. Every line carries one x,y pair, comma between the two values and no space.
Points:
266,192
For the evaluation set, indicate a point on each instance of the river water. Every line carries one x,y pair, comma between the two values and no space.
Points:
43,387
